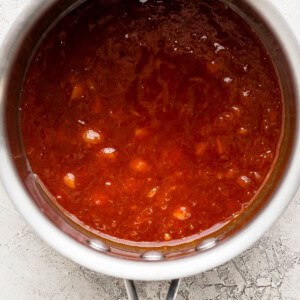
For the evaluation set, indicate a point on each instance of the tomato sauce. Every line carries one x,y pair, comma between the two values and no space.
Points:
152,121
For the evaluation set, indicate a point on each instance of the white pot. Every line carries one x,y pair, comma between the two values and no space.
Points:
90,253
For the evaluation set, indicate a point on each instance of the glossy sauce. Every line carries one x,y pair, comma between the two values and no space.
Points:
152,121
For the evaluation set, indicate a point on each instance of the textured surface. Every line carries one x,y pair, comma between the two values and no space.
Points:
30,269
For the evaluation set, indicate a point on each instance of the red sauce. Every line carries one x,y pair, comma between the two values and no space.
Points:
152,121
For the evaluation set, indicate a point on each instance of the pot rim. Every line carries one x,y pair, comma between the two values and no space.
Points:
154,270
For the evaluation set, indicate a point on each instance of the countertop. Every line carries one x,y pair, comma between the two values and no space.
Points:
30,269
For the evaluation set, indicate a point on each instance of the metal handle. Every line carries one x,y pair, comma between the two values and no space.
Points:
131,290
132,293
173,289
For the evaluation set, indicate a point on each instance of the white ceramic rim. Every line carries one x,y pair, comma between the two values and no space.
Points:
163,270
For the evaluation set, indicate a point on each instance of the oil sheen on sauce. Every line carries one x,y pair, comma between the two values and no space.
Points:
152,121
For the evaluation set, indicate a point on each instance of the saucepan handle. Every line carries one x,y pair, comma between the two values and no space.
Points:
132,293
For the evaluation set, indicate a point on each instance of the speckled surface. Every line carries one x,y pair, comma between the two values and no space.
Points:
30,269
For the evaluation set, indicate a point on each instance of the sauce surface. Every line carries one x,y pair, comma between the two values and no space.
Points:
152,121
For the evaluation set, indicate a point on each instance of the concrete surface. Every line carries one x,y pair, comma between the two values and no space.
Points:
30,269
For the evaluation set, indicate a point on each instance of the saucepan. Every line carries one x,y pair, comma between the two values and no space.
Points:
142,263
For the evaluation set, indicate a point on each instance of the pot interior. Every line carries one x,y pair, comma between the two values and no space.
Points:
35,31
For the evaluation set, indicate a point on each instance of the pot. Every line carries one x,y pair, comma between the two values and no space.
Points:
134,262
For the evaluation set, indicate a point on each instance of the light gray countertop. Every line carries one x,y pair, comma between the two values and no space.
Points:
30,269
